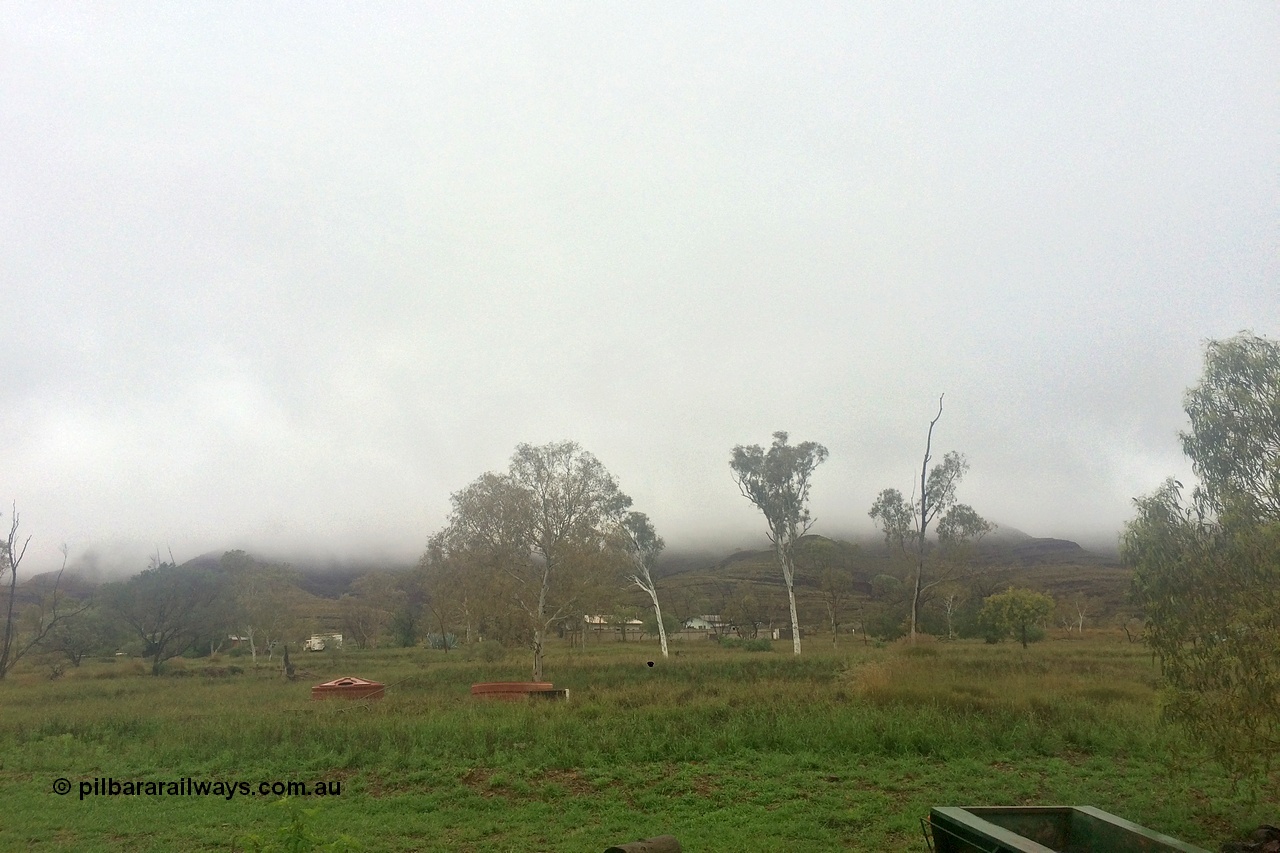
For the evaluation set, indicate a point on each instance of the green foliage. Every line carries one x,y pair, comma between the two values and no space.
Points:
489,651
739,751
888,588
1211,593
960,525
1234,443
171,609
885,623
294,836
906,527
442,641
750,644
669,622
642,541
540,536
91,631
1016,612
777,481
1207,574
404,628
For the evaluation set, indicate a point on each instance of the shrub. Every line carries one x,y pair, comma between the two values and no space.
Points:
1019,613
489,651
442,641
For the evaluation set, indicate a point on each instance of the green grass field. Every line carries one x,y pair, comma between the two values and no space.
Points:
724,748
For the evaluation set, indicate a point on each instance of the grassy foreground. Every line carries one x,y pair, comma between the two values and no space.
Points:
725,749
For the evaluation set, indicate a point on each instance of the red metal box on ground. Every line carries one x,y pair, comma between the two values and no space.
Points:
510,689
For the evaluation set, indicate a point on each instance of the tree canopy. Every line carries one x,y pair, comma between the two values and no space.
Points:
1234,442
170,608
1017,612
541,531
777,481
1207,571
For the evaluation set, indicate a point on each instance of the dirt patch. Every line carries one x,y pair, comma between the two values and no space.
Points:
571,780
705,786
477,779
481,781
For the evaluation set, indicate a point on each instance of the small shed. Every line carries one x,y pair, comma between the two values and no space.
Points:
349,687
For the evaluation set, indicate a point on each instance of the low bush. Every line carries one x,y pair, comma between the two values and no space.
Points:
758,644
489,651
442,641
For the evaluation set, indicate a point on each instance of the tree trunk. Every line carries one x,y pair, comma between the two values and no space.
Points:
788,574
537,654
540,617
662,629
915,598
7,642
924,520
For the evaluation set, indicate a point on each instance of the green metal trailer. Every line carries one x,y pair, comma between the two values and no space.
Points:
1042,829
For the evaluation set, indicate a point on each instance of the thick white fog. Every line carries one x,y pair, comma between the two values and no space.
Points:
284,279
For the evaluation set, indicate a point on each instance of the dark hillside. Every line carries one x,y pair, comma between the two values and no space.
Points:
1058,567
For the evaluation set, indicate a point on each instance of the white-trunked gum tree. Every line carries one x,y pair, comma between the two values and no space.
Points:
777,481
643,545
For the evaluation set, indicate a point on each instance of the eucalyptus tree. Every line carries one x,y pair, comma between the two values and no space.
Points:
643,545
171,608
906,524
1234,442
544,528
1207,570
777,481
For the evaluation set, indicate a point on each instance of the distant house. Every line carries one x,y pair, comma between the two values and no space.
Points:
707,622
320,642
599,626
711,625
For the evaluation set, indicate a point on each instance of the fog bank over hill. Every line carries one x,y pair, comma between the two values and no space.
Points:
286,282
106,564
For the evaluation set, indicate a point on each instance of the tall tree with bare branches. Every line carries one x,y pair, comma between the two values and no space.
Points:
906,525
50,608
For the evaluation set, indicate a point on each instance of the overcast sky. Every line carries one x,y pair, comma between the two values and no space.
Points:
286,275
